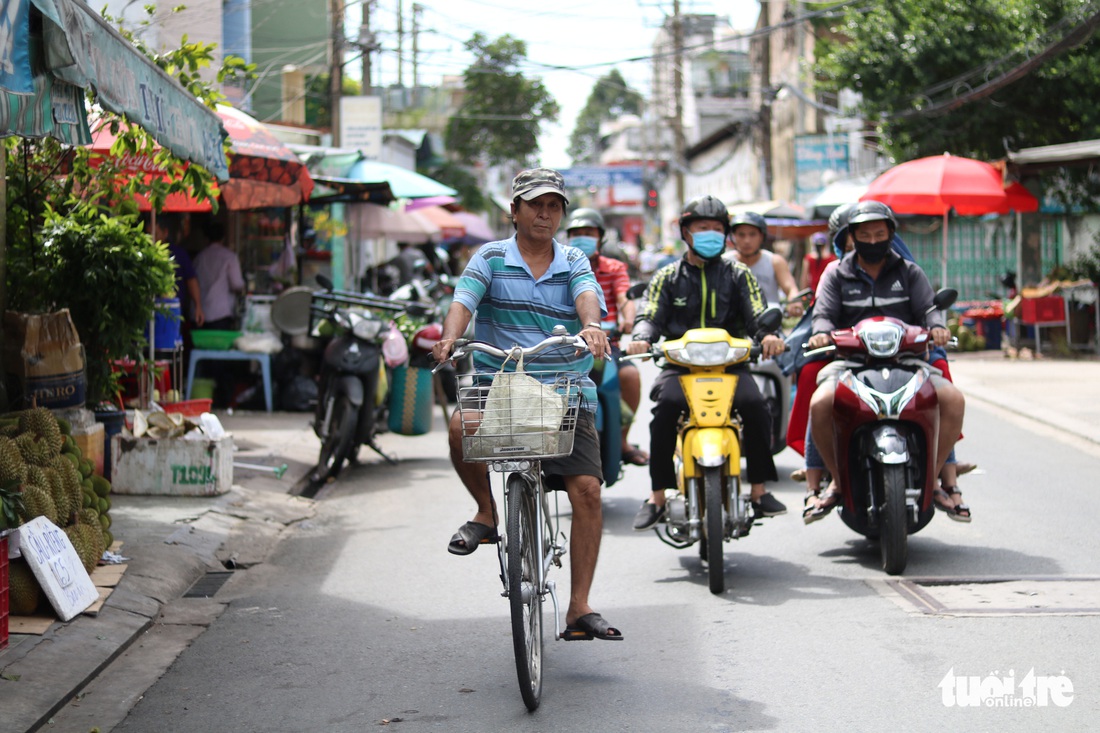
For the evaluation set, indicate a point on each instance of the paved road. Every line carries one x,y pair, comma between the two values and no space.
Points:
361,618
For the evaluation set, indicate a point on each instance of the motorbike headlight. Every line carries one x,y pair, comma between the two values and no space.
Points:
367,329
708,354
882,339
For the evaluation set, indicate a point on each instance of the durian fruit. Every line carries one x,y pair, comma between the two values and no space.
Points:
88,516
65,427
24,591
88,542
59,495
71,482
38,503
101,485
41,422
36,451
12,465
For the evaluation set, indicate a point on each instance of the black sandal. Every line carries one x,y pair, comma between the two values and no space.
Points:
812,512
944,502
469,536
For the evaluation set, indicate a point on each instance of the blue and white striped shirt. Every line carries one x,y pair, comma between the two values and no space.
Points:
511,307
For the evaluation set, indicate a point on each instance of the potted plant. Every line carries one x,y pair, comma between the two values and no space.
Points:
107,271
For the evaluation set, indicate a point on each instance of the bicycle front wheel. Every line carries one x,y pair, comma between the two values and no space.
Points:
524,552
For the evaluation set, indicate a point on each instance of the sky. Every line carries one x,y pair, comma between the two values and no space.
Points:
568,33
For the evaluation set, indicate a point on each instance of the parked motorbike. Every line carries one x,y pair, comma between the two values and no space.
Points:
707,506
887,422
351,406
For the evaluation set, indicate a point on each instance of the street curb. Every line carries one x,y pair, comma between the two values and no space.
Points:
54,668
1040,415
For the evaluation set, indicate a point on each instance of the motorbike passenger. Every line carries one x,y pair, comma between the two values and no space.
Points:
875,280
704,290
520,289
748,232
816,260
586,232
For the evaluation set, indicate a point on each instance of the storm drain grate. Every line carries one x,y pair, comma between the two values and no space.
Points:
1003,596
208,585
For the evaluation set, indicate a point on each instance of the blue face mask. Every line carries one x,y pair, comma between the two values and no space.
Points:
708,244
585,244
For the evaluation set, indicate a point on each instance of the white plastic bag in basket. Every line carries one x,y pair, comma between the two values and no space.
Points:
518,403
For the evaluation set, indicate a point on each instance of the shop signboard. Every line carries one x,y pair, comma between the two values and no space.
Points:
814,156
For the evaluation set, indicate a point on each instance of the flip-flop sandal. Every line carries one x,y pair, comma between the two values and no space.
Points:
469,536
636,457
812,512
942,499
591,626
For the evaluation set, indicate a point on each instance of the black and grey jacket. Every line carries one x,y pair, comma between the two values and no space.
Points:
681,296
846,295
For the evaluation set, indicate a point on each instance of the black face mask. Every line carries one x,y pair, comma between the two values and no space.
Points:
872,253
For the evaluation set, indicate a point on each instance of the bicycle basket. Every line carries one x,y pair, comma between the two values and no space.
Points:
518,416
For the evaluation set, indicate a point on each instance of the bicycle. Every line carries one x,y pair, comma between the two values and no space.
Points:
512,439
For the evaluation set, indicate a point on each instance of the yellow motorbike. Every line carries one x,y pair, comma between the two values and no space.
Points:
707,506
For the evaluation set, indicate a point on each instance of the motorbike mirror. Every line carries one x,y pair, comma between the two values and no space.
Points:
770,320
945,298
324,281
635,291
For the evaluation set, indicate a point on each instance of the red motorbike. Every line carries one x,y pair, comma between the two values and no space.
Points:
887,426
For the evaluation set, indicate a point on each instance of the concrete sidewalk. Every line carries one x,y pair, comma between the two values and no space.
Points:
1061,393
172,542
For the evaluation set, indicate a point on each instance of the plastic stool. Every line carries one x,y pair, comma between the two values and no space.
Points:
198,355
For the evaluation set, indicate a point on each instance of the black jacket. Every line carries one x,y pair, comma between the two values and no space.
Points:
846,295
681,296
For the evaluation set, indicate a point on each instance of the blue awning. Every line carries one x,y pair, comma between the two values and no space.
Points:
81,49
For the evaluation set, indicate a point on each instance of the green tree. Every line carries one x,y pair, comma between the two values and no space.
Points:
462,180
918,62
503,111
610,99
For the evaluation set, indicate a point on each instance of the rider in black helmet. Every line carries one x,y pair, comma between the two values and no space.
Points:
674,304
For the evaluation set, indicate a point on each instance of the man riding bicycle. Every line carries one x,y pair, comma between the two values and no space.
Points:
520,288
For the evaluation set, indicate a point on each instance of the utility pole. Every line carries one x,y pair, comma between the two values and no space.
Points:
767,99
366,44
679,145
417,8
401,44
336,70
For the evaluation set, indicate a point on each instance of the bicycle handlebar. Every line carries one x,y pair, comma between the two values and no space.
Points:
464,346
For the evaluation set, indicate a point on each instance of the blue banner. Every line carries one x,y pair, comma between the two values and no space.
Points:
814,155
15,55
603,176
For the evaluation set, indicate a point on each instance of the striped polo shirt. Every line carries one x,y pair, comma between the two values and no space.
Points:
511,307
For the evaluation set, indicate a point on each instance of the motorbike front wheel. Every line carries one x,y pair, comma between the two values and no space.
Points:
893,525
712,490
339,440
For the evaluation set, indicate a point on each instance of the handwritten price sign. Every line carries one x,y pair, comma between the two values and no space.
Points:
55,564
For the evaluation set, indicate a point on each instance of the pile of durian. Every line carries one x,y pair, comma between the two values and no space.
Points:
44,474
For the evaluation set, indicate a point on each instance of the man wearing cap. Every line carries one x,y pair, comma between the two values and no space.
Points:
520,288
747,232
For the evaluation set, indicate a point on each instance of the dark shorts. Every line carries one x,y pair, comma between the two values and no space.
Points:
585,458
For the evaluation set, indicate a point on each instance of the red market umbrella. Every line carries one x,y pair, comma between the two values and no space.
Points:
263,171
1020,199
140,165
935,185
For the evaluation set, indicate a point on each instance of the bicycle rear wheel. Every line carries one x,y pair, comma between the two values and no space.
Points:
524,552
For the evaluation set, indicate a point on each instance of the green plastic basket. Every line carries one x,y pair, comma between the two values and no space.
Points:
216,340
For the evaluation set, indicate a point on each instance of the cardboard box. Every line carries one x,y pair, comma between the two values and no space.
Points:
44,354
171,467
